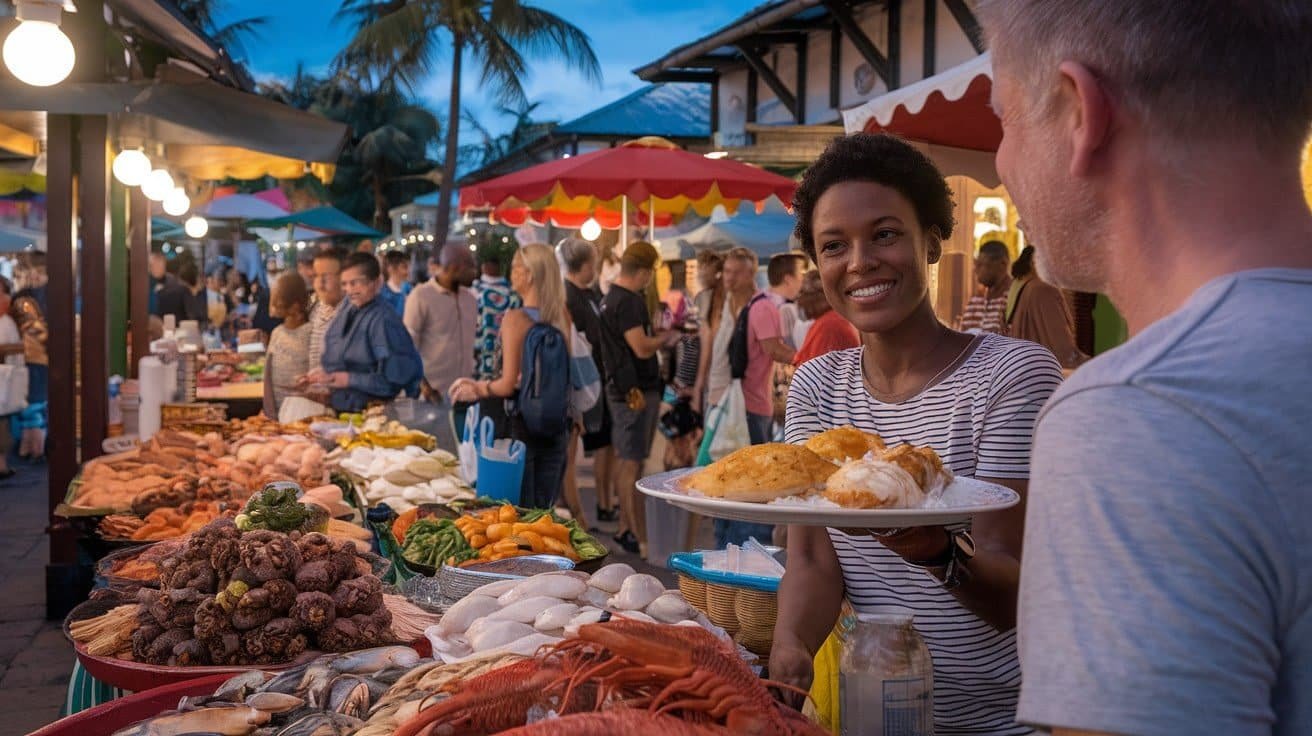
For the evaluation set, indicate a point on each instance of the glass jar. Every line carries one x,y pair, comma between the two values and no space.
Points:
886,678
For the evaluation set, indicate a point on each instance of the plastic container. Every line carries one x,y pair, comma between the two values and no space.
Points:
107,718
500,465
667,529
885,678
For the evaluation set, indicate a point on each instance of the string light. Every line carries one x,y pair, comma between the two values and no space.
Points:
131,167
591,229
37,52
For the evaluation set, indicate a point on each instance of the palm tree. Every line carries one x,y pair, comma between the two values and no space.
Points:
398,40
231,36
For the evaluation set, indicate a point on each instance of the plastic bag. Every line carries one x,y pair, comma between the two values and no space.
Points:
13,388
726,426
467,450
585,381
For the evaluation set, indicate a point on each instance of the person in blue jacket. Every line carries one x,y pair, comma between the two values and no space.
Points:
368,354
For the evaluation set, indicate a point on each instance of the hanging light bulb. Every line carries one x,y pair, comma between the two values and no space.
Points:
196,226
177,202
37,52
157,185
591,229
131,166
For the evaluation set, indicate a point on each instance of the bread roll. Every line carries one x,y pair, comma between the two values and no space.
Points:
761,473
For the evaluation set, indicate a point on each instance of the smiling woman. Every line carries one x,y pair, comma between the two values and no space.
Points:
872,211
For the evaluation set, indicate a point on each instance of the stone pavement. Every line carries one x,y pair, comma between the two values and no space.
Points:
35,659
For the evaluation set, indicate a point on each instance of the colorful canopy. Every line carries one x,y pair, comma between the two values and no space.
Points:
765,234
240,207
647,171
329,220
214,163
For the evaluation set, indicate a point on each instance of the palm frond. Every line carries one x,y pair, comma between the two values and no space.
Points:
541,33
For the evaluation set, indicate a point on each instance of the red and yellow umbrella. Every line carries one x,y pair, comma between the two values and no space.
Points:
651,173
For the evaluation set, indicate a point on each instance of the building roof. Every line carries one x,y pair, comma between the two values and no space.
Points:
674,111
666,110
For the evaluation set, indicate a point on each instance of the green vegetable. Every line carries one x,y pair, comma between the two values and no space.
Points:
433,542
276,508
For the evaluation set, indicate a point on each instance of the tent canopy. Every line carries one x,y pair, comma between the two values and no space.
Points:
765,234
240,207
646,171
15,239
947,116
329,220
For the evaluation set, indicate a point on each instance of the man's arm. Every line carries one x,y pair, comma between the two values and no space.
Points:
643,345
776,349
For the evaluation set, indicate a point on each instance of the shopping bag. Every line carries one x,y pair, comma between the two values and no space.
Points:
13,388
730,431
585,380
500,464
467,450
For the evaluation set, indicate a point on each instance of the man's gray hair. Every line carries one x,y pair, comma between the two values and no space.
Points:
575,253
1200,70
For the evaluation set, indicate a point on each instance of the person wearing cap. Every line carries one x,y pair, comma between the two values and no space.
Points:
633,382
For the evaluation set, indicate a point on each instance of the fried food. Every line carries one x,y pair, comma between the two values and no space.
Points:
844,443
761,473
902,477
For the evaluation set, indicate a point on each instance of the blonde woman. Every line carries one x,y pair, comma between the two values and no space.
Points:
535,276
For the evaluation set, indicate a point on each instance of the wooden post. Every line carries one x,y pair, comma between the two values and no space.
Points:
139,276
894,44
931,37
61,443
93,198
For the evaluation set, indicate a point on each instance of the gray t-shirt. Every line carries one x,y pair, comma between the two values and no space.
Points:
1167,578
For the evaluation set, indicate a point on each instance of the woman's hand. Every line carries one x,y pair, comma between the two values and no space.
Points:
791,664
463,389
913,544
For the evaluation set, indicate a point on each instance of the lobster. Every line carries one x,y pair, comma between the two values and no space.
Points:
618,666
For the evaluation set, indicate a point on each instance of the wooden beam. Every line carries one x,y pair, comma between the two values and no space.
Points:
684,76
894,9
61,406
17,142
931,37
712,62
799,112
138,276
770,37
772,80
752,83
852,30
715,105
836,66
969,24
93,199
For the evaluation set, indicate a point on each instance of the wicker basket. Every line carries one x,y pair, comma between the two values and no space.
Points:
748,615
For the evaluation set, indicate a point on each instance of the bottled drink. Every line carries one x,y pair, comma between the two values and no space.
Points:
886,679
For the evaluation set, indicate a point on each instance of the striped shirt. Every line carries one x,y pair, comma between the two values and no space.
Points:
321,315
979,418
985,314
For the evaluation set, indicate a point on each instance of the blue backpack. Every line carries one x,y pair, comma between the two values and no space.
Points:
543,400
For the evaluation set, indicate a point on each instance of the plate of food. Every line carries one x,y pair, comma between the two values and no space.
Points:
842,478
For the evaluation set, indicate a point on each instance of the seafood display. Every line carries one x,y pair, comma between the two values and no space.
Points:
519,616
328,696
403,478
260,597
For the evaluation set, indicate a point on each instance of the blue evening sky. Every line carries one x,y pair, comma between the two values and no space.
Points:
625,34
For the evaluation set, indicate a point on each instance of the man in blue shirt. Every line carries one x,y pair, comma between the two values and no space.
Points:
368,354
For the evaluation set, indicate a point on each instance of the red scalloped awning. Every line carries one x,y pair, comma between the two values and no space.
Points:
947,109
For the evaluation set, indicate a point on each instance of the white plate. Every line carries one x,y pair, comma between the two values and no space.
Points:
961,500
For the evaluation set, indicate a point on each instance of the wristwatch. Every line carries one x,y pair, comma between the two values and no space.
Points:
960,550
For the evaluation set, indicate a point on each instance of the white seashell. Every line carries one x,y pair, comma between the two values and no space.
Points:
637,593
555,617
487,634
594,597
670,608
611,577
526,610
556,585
464,612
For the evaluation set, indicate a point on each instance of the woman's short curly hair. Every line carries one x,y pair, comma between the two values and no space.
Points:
877,158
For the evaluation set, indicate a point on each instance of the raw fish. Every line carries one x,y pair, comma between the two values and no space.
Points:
611,577
637,593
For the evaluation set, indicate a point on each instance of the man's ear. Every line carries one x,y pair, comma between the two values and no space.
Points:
934,249
1090,115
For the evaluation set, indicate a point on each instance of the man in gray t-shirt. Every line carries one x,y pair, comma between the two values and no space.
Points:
1152,151
1166,579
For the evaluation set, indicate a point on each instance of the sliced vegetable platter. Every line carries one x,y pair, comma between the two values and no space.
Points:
483,530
